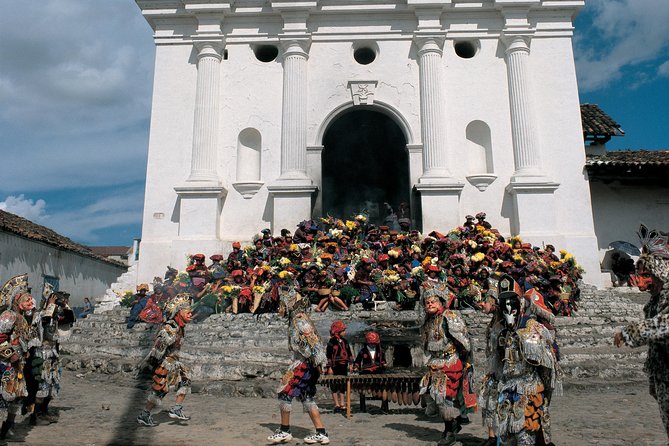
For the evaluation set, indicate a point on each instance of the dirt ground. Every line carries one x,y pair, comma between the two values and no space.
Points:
95,411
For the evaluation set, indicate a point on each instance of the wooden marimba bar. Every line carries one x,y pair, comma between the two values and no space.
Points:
399,386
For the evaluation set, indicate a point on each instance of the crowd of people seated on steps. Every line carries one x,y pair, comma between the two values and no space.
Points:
340,263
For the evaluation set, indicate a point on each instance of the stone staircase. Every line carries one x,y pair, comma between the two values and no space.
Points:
243,354
124,282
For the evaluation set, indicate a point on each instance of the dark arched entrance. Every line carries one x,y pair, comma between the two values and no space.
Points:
365,164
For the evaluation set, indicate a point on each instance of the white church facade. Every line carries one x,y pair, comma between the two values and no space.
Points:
269,112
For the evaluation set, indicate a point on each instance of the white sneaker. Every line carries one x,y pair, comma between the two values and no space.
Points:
317,438
279,436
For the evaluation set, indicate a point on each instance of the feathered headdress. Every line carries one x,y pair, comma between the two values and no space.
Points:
14,286
176,304
653,242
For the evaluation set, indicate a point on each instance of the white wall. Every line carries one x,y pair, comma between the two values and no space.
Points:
620,209
79,275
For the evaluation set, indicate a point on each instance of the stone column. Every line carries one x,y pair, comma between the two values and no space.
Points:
205,124
294,112
531,189
439,191
432,108
201,196
526,147
293,190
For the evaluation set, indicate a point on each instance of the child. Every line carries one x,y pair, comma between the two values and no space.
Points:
370,360
339,360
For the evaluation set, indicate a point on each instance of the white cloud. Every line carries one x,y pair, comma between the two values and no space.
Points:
34,211
87,223
663,70
624,34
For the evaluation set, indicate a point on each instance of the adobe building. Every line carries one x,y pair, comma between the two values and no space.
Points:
266,113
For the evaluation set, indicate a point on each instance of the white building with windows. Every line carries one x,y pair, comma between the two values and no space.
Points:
269,112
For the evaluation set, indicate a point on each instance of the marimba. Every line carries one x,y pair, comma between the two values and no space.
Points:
402,388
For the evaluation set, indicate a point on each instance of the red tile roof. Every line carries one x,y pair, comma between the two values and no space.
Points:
32,231
597,123
630,158
108,251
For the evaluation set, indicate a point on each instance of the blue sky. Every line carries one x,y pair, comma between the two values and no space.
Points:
75,95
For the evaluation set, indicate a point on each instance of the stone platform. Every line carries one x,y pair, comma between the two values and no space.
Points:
245,355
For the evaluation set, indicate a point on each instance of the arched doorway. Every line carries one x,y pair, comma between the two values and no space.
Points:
365,164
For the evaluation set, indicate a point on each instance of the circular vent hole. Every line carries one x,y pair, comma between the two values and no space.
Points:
364,56
465,49
266,53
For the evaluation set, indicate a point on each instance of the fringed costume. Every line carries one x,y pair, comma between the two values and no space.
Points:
448,381
309,359
43,369
654,330
522,371
309,354
169,373
16,339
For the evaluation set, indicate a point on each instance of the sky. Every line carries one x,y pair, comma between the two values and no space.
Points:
75,103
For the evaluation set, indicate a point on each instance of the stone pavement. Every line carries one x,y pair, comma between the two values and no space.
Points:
100,409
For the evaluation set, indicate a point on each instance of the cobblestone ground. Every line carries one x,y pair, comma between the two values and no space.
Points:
96,411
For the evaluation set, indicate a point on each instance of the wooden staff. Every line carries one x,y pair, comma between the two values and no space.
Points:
348,398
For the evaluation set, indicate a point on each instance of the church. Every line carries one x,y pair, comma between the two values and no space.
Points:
269,112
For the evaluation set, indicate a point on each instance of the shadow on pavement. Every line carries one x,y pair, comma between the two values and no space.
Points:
427,434
127,428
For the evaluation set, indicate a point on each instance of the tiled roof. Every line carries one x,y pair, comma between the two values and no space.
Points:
108,251
32,231
597,123
630,158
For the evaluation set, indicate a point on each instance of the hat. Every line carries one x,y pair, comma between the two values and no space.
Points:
236,273
508,287
143,286
537,298
266,231
326,255
550,247
372,337
469,217
383,228
285,232
344,237
337,326
383,257
304,246
432,268
236,245
480,215
216,258
198,257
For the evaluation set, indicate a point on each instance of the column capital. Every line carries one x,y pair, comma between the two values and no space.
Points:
516,42
295,46
209,48
429,42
